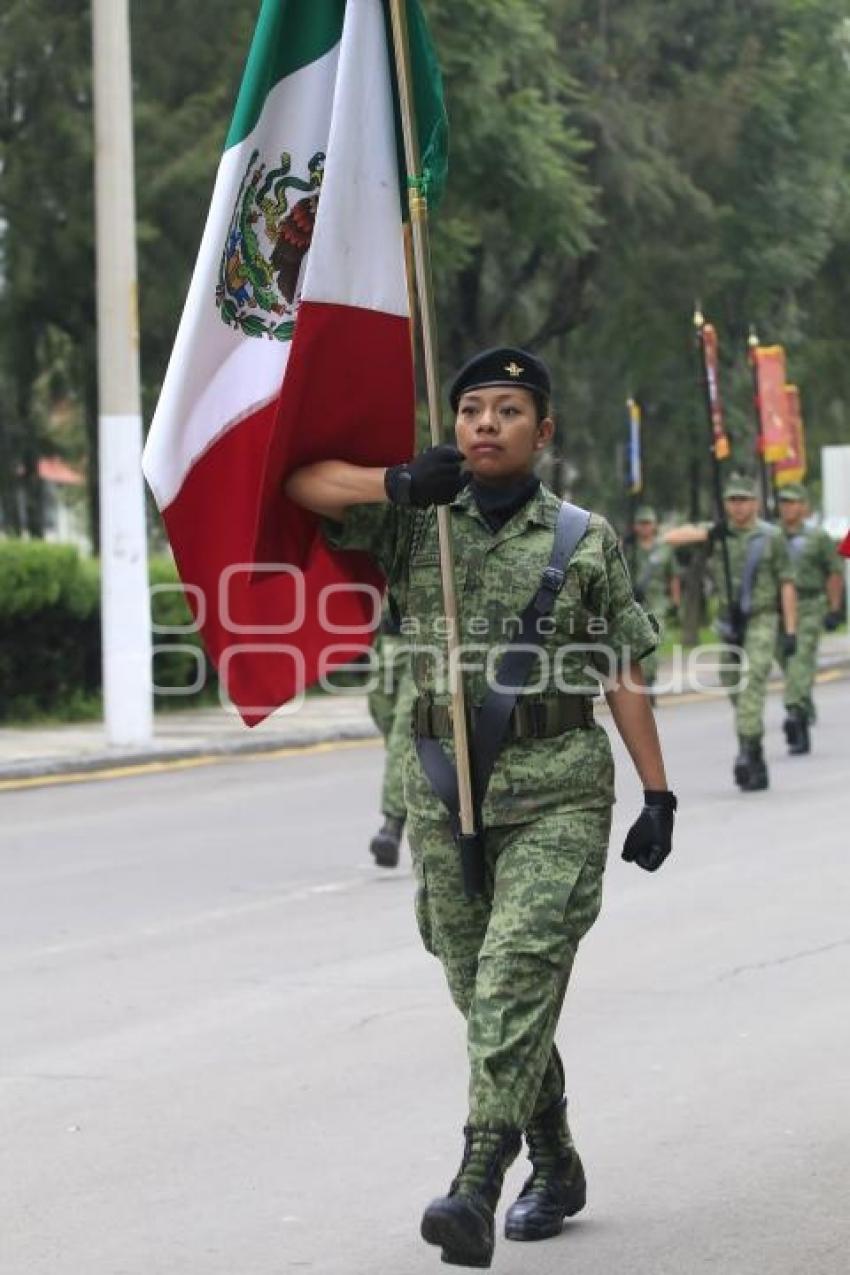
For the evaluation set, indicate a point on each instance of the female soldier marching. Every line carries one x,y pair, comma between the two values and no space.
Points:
546,813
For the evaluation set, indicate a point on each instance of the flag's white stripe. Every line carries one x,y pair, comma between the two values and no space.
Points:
357,255
217,375
342,105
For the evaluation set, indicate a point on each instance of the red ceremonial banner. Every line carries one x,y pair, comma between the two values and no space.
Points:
711,360
772,402
792,469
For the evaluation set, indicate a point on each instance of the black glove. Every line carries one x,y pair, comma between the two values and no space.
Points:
650,839
789,645
717,531
434,477
833,620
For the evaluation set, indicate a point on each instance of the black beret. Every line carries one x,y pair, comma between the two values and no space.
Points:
505,365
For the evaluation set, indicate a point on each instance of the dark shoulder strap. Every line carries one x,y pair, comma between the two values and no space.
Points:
755,553
570,530
515,665
518,660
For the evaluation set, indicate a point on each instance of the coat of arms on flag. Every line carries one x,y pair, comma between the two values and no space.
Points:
267,243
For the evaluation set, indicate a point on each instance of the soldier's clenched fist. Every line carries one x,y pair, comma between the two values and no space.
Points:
650,838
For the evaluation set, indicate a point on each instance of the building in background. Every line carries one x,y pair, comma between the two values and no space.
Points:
64,510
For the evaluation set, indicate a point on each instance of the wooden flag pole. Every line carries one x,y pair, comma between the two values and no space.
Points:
418,202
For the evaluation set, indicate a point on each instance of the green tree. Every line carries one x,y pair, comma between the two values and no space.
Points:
46,255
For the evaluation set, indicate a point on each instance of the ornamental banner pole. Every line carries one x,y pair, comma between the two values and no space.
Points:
418,203
634,477
719,448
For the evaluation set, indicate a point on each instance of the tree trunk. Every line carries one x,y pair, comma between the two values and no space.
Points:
30,449
10,518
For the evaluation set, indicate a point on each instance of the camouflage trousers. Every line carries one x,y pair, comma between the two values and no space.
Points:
507,956
390,706
800,670
748,700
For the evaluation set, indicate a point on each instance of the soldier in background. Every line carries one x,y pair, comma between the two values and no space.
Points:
761,574
390,705
655,576
819,574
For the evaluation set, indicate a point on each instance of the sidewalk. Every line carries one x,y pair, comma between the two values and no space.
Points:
31,751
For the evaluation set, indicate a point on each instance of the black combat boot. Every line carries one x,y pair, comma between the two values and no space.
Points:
462,1222
385,844
796,727
741,769
557,1188
753,774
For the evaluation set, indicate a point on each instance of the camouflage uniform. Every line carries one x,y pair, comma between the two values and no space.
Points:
653,571
507,957
390,704
763,626
814,559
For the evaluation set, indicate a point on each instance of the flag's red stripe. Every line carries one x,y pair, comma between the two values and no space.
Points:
348,395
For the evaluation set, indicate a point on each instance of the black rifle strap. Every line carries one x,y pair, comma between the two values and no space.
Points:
492,719
755,552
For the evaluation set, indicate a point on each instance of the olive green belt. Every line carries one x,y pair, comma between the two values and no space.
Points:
530,719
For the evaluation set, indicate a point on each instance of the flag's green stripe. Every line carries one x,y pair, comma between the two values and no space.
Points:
289,34
431,120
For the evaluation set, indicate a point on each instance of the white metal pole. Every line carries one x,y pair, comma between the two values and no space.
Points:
125,606
835,471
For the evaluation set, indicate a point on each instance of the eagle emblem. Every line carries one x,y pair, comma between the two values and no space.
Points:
270,232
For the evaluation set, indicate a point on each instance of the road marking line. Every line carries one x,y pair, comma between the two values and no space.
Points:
180,925
135,770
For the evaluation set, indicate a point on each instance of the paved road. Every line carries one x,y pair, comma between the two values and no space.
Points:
223,1053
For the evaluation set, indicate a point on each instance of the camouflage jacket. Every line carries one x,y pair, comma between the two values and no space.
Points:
596,625
653,570
814,558
774,568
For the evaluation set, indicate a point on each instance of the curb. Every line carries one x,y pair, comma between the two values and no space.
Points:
212,748
118,759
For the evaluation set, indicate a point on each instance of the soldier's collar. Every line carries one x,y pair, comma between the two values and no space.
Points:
541,510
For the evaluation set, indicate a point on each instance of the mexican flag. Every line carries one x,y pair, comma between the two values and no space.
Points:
295,341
